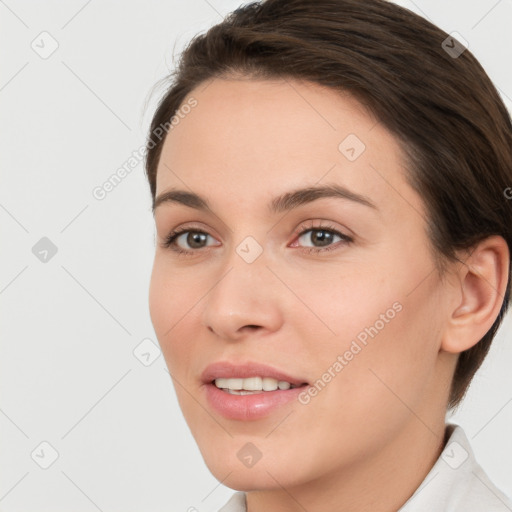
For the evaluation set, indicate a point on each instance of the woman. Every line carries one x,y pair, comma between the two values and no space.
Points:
333,261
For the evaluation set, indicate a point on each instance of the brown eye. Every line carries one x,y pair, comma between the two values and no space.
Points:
323,239
195,239
186,241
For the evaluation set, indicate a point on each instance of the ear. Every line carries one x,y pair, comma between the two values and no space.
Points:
480,285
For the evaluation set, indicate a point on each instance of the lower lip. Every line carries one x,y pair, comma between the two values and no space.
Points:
249,407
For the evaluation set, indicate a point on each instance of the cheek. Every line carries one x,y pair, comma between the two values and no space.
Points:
160,299
378,381
172,297
384,321
395,340
172,292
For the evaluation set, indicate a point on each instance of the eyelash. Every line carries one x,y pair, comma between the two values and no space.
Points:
170,241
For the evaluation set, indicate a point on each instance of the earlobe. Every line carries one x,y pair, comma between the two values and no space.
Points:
482,281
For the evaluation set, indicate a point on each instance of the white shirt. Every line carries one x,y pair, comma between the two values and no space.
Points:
456,483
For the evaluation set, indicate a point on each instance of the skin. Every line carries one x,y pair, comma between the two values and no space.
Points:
368,439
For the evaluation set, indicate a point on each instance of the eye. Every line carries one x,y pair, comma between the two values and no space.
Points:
324,236
193,237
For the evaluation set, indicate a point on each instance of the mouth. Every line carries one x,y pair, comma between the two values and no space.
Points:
249,391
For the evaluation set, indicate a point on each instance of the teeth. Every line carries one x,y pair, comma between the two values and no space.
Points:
252,384
269,384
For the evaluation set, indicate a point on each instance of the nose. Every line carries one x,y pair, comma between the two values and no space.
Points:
244,299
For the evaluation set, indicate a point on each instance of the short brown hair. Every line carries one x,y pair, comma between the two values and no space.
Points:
442,107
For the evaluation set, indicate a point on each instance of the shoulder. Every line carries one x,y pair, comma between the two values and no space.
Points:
482,494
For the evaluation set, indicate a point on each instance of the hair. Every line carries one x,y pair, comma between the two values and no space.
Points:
446,115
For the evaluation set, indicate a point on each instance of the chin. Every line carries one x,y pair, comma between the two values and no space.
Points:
253,479
262,475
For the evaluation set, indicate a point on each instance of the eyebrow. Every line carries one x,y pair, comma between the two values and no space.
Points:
282,203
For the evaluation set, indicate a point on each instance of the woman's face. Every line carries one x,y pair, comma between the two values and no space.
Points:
337,291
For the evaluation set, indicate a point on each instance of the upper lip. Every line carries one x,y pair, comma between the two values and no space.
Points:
227,369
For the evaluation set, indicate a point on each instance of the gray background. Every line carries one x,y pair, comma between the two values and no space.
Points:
70,324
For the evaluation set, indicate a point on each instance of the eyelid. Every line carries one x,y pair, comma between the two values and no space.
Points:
189,226
314,224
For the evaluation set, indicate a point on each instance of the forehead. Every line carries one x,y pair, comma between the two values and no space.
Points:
257,138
